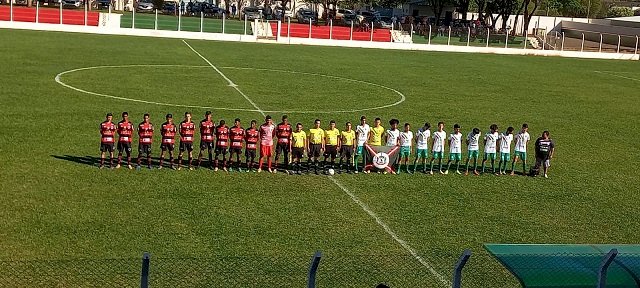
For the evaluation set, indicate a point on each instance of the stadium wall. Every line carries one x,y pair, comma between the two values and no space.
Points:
110,30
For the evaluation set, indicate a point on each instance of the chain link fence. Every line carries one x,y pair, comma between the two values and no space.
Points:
71,273
332,270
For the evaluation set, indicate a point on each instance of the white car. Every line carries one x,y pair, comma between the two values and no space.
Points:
345,13
145,6
72,3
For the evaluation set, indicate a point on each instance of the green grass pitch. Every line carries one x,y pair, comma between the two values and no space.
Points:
54,205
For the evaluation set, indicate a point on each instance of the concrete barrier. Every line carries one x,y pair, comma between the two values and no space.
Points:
307,41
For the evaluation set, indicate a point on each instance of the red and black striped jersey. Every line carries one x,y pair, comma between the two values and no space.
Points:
125,131
107,132
222,135
283,133
251,137
168,132
187,130
145,133
237,135
206,130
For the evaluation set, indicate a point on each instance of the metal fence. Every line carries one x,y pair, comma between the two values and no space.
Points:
331,270
565,40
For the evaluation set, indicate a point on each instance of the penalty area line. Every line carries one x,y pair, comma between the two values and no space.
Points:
231,84
393,235
615,75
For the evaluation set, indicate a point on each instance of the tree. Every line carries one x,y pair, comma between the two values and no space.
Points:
158,4
500,8
481,4
463,7
438,6
619,12
571,8
527,14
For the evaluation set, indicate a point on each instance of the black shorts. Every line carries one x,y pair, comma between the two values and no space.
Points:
124,146
167,146
235,150
250,153
330,151
106,147
206,145
186,146
346,151
297,152
315,150
282,148
221,150
144,148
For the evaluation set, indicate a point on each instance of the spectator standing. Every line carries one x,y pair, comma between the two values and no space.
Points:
234,9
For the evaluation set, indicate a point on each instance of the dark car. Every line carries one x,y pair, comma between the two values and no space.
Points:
252,13
348,20
169,7
207,9
211,9
104,4
306,16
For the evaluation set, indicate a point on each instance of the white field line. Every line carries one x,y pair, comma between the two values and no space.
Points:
402,97
364,206
228,80
615,75
393,235
61,82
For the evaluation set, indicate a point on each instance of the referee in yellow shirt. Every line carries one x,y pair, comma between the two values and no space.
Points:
347,146
298,145
316,145
331,145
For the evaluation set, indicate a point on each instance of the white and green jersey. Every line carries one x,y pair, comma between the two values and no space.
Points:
362,132
474,141
490,142
505,143
438,141
406,138
392,137
422,137
455,143
521,141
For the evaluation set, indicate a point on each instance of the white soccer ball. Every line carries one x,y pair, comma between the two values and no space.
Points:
331,172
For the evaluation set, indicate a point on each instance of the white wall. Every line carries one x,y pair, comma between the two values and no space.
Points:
306,41
547,22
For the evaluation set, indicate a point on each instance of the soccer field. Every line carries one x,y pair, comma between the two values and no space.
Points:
407,230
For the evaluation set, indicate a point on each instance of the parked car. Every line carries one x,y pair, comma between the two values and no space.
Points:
344,13
104,4
348,20
385,22
252,13
306,16
144,6
368,16
169,7
72,3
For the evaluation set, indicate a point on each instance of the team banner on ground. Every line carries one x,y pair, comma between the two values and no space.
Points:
381,157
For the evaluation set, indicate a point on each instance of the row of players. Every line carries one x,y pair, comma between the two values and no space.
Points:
331,143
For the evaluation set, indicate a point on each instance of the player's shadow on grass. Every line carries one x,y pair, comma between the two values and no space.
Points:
95,160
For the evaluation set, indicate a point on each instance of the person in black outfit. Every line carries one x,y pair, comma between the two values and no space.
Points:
545,147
